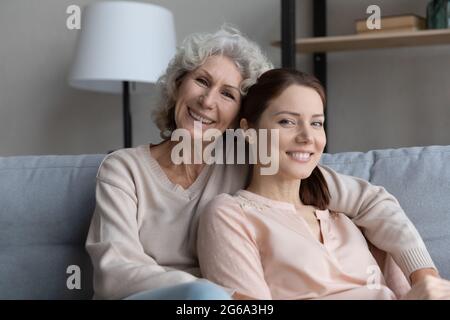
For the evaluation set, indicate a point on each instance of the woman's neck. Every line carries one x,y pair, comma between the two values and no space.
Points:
163,155
275,187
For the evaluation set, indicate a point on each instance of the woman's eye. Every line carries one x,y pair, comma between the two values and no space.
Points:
318,124
228,95
202,81
286,122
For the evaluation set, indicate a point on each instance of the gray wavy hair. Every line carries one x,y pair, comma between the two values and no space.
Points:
195,49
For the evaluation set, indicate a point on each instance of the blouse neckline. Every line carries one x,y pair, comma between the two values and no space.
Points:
191,191
264,200
259,200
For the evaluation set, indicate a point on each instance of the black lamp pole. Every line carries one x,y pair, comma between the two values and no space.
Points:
288,34
126,115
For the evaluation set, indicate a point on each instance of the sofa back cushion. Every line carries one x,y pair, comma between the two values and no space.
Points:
419,177
46,203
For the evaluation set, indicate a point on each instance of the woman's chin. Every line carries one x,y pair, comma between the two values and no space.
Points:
297,174
205,132
192,126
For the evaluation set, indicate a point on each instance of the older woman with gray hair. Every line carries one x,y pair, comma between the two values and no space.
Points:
142,238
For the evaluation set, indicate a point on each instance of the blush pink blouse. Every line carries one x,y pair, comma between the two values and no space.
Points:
263,249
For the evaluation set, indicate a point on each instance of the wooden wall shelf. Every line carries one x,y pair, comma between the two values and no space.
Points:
371,41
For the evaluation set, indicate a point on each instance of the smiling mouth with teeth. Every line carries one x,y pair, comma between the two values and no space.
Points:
300,156
198,117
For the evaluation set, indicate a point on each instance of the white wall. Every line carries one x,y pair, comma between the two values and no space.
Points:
377,99
41,114
386,98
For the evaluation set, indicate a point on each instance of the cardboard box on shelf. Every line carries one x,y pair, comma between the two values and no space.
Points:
398,23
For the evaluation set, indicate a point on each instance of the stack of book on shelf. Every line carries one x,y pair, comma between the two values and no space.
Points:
400,23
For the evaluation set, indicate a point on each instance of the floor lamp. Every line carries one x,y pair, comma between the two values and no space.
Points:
122,42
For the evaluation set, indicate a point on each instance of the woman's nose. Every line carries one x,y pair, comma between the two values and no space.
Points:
304,135
208,99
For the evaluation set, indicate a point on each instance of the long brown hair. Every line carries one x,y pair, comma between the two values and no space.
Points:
314,189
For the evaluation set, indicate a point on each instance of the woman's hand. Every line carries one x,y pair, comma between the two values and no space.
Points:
240,296
420,274
429,287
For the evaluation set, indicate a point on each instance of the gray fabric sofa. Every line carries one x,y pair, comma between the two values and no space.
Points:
46,203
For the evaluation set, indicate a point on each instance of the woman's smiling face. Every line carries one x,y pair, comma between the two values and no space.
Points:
298,115
209,95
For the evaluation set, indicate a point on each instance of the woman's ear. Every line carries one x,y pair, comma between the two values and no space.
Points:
249,135
243,124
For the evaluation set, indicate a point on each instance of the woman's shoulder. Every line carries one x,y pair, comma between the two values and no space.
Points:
223,204
122,163
224,211
223,200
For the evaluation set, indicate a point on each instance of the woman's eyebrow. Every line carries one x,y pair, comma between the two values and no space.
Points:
297,114
233,87
226,85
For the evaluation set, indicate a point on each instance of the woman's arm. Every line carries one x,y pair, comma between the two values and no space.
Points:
121,266
381,219
430,287
227,250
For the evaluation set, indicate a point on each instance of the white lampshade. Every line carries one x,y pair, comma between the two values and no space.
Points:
122,41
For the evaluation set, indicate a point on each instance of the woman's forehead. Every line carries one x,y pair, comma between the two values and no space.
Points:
221,67
297,99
